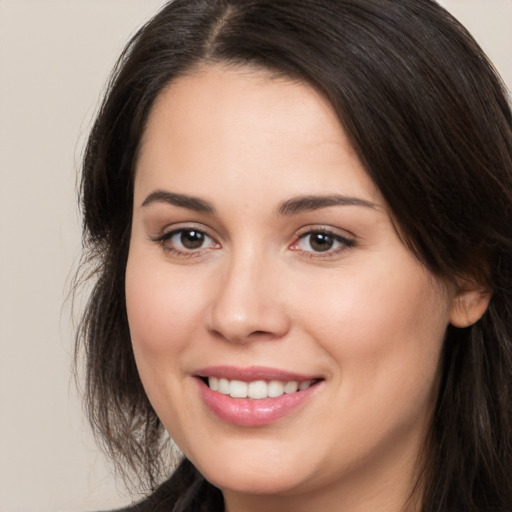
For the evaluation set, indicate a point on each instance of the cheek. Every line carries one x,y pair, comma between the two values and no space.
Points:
161,305
384,330
163,308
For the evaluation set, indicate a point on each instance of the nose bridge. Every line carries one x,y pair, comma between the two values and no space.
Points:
246,305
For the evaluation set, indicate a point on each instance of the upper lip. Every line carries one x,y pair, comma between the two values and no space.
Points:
253,373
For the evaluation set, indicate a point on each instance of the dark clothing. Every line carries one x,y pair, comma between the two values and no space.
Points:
185,491
156,502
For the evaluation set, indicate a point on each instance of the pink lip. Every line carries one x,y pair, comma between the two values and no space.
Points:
245,411
253,373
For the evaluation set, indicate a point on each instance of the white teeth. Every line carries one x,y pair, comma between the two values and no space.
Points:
291,387
223,386
238,389
275,388
213,382
304,385
256,389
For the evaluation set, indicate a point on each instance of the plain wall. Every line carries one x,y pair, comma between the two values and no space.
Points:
55,56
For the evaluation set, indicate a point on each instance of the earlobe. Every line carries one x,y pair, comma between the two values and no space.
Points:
468,306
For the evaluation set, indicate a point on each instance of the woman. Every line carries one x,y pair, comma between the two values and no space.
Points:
301,218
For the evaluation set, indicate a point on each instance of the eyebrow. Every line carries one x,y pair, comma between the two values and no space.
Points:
290,207
307,203
181,200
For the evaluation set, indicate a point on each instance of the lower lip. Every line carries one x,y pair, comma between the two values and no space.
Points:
253,413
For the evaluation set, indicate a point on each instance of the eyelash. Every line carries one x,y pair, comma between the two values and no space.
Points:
165,240
344,243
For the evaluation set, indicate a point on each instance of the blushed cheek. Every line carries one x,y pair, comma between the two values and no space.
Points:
148,310
383,323
162,308
155,337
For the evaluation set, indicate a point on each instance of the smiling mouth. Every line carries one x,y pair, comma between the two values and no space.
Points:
257,389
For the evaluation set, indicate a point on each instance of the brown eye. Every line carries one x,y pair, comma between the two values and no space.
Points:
191,239
321,242
318,242
186,242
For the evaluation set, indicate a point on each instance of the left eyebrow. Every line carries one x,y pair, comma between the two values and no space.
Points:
307,203
181,200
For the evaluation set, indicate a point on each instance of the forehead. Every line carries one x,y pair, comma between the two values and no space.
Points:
245,127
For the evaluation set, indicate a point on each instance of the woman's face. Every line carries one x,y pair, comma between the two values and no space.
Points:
263,257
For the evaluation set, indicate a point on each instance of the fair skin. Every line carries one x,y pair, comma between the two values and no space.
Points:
248,275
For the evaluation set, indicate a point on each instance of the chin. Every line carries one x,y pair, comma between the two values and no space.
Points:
254,485
253,477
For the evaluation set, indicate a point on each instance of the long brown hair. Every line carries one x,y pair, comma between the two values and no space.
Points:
429,118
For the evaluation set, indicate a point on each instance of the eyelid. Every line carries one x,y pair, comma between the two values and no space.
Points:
167,229
347,241
323,228
166,234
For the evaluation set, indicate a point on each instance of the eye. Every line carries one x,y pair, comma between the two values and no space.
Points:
189,239
321,243
186,241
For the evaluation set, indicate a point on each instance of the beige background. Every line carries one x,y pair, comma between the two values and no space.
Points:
54,59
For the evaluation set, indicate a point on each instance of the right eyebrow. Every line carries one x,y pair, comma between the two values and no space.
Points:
306,203
181,200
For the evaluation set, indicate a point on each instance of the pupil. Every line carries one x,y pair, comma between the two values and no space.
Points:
321,242
192,239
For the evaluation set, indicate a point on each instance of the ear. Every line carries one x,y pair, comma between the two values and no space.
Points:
469,304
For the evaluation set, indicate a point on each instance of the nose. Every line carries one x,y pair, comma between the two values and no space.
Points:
246,305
